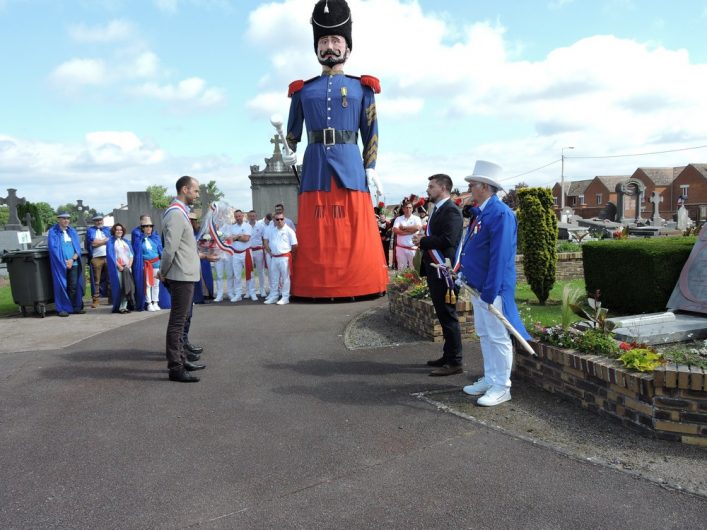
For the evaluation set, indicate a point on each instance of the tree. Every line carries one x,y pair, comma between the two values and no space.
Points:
158,196
73,210
38,225
511,198
4,215
46,214
212,192
537,239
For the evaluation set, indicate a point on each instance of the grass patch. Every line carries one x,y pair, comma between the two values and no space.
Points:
7,304
549,314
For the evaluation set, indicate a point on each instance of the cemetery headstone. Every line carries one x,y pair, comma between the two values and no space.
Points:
12,201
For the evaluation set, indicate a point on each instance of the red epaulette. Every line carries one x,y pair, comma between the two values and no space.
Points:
296,86
371,82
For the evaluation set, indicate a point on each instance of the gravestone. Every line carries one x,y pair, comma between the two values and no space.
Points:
139,203
81,209
683,218
687,315
608,212
12,201
655,200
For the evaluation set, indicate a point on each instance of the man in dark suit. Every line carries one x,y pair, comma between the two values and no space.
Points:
443,236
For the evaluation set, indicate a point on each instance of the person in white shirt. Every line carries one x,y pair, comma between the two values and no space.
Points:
280,242
404,227
242,259
257,252
224,267
279,208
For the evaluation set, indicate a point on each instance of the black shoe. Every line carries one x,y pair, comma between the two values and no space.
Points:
437,363
63,314
80,311
182,376
193,348
193,367
192,357
447,369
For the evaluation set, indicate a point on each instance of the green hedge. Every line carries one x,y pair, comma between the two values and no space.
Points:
635,275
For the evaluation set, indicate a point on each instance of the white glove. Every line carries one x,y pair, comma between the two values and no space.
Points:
291,159
374,182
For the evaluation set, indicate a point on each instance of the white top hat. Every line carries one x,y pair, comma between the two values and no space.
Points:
486,173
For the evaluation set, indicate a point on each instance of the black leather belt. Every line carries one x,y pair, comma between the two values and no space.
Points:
332,136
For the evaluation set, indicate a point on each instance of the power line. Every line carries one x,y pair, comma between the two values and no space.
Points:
643,154
532,170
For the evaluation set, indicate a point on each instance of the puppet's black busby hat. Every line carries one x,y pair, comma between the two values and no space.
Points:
332,17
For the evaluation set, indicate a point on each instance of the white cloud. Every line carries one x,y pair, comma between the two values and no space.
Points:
169,6
78,72
113,31
192,90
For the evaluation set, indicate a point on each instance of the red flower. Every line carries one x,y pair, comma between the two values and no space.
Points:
458,201
381,204
625,346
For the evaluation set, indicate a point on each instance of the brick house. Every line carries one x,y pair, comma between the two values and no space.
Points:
658,179
691,184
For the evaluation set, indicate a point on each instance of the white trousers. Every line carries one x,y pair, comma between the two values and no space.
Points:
259,269
404,257
238,268
224,269
280,277
496,346
152,294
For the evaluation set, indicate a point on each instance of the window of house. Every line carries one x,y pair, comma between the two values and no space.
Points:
555,200
573,201
683,190
599,199
581,200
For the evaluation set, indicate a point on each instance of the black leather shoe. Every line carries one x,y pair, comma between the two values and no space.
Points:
447,369
182,376
63,314
80,311
192,357
437,363
193,367
193,348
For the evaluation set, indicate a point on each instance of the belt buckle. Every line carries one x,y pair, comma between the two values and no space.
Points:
329,136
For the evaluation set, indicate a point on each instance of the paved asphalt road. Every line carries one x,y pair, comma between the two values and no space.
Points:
288,429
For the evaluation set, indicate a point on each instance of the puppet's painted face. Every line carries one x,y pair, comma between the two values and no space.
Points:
332,50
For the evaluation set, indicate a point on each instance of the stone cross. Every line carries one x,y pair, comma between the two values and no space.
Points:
277,141
13,222
82,209
656,199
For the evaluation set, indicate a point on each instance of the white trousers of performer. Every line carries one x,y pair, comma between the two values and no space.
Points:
280,277
224,266
496,346
238,267
259,268
404,257
152,294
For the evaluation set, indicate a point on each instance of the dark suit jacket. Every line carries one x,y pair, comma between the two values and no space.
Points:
445,229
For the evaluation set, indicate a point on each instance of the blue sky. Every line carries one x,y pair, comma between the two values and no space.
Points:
101,97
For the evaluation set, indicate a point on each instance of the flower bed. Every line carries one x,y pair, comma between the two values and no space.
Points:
418,315
669,403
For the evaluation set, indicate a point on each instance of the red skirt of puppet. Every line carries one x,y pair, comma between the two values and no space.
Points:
339,251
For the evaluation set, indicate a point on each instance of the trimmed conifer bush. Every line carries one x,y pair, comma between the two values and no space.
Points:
537,239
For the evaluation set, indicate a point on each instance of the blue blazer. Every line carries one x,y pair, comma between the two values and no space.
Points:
488,258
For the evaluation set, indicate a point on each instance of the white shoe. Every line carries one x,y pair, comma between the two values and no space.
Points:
235,299
477,389
150,307
263,294
283,301
254,297
218,299
494,396
270,300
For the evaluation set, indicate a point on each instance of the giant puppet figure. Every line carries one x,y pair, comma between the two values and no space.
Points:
339,253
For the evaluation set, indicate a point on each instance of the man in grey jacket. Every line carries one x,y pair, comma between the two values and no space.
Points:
179,269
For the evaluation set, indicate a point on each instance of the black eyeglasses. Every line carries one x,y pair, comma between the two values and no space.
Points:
279,218
147,226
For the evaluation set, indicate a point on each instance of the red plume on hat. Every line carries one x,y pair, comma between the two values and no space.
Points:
381,204
332,17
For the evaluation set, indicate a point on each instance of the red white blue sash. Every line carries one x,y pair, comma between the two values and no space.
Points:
177,205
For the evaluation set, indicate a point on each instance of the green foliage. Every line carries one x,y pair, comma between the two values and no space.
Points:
419,290
74,211
597,342
4,215
212,191
571,296
568,246
537,239
158,196
693,354
635,275
38,225
641,359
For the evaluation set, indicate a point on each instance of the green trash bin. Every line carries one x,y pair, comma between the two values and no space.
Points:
30,279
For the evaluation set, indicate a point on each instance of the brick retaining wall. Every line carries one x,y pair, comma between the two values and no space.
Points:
419,316
569,266
670,403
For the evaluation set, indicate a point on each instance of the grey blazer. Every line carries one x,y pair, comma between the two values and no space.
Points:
180,258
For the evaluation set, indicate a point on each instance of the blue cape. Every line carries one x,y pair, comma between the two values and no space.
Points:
136,238
55,241
115,291
88,243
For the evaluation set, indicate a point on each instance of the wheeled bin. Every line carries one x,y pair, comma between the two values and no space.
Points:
30,279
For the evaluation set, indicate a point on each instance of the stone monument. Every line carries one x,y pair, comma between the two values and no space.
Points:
139,202
275,184
13,232
683,218
655,200
629,199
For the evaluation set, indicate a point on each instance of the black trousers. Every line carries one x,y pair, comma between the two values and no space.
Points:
72,281
447,315
182,294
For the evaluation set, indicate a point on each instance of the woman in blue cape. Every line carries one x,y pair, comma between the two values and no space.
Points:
66,266
147,249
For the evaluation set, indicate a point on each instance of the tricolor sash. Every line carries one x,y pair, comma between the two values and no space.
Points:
177,205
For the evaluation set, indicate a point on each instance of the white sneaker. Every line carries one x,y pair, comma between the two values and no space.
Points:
150,307
263,294
254,297
283,301
477,389
218,299
156,306
235,299
494,396
270,300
